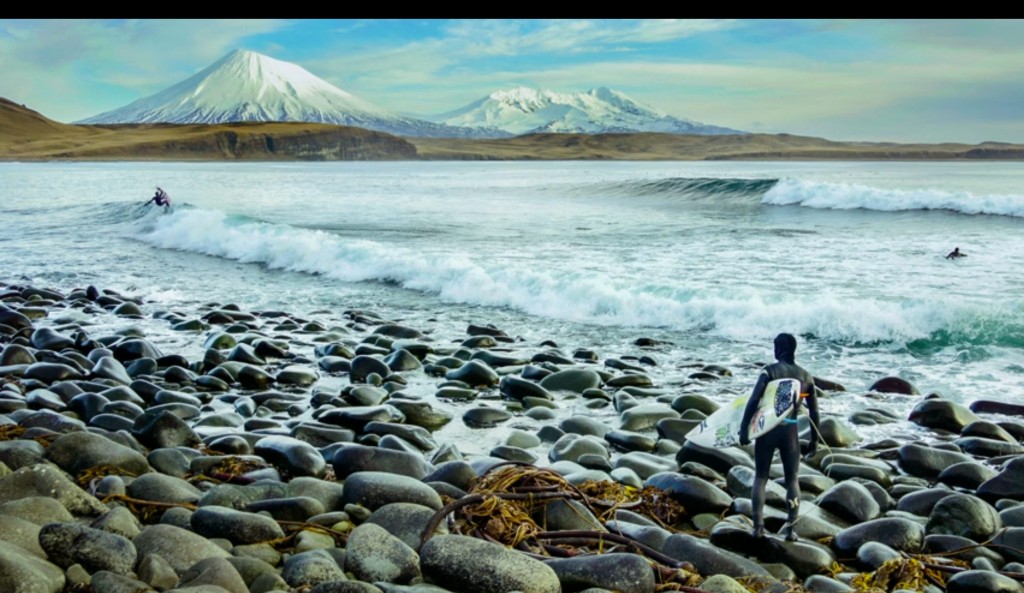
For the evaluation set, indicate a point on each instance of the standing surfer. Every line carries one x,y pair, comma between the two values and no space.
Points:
783,437
160,199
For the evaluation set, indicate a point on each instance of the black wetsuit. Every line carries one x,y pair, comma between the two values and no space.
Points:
783,437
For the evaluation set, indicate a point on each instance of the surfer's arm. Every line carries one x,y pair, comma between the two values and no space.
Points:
752,403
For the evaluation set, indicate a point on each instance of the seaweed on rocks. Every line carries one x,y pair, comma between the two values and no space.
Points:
503,506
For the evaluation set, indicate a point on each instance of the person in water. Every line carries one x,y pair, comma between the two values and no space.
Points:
783,437
955,254
160,199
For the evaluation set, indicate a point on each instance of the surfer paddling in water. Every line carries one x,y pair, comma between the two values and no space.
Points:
160,199
783,437
955,254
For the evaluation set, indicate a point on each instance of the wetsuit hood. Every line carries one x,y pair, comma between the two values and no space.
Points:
785,348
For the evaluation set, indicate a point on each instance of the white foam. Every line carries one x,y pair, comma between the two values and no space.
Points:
850,196
554,288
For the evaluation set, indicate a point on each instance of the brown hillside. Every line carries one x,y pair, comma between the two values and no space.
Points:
694,147
27,135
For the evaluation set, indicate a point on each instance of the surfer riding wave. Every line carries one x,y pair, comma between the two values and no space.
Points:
160,199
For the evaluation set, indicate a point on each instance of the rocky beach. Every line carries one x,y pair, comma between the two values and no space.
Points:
206,448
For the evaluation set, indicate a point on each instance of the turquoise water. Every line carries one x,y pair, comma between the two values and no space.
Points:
715,257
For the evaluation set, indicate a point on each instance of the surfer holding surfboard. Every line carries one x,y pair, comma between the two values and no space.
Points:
770,418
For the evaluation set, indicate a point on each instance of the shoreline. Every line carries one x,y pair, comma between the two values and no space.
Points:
315,422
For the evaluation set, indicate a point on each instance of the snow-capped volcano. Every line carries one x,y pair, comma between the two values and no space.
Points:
524,110
248,86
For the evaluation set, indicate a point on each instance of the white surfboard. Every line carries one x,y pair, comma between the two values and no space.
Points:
722,429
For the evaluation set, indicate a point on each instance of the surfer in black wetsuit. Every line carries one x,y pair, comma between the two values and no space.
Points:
955,254
783,437
160,199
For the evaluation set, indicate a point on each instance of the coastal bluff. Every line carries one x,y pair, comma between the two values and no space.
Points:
26,135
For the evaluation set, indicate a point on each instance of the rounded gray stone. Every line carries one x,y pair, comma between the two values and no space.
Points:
464,563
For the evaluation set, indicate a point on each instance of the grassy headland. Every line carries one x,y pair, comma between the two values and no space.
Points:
27,135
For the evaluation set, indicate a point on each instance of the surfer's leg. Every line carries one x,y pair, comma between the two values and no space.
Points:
789,450
764,450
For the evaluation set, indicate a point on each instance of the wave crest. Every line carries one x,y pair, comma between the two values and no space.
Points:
852,196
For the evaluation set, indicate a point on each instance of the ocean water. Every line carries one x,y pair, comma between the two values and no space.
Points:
715,258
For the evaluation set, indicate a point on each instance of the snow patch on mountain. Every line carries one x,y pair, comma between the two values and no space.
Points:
525,110
248,86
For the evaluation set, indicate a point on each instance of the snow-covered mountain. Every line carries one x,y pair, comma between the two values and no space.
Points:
248,86
524,110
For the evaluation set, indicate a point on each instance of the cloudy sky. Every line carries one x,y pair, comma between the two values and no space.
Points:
876,80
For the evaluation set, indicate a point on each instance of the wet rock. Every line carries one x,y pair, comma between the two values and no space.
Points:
964,515
897,533
51,372
988,430
237,526
695,494
837,434
1010,543
296,375
38,510
78,451
108,367
719,459
966,474
851,502
22,533
894,385
872,555
156,572
296,508
709,559
985,447
376,489
372,554
922,501
720,583
358,458
625,573
646,416
1008,483
961,547
50,482
927,462
357,417
982,581
180,548
71,543
485,417
806,558
469,564
474,373
574,380
21,572
942,414
213,572
163,428
291,456
644,464
570,515
163,488
311,568
120,521
518,388
823,584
